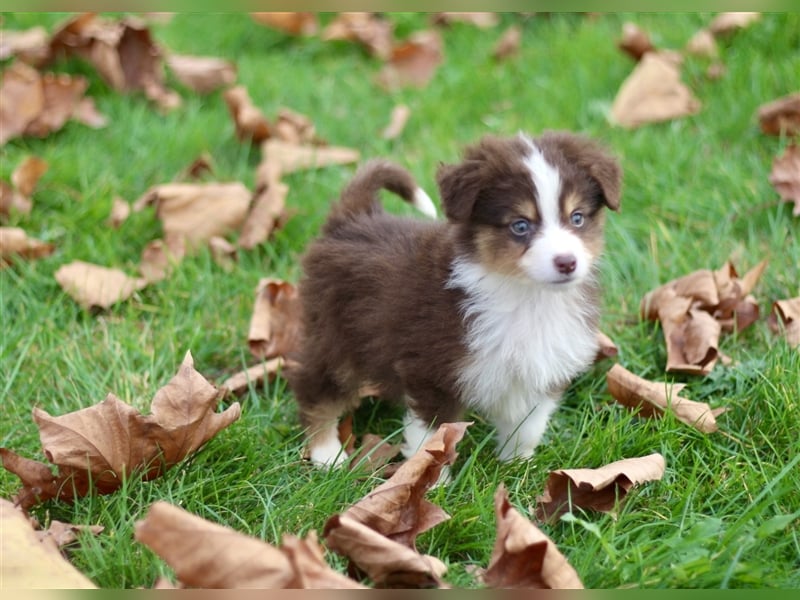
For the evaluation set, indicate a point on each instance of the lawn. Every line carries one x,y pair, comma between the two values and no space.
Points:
696,193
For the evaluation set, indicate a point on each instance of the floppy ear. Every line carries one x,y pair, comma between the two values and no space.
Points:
594,160
459,186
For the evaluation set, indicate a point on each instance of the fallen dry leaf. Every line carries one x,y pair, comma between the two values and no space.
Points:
207,555
785,317
265,213
523,556
32,104
279,157
198,211
728,22
781,116
702,43
249,121
14,242
372,31
372,454
653,399
600,489
386,562
606,347
508,44
27,174
30,563
98,446
121,50
31,46
86,113
199,167
653,92
635,41
222,252
295,128
397,122
93,286
692,337
294,23
160,257
60,534
413,62
785,176
397,509
203,74
483,20
120,211
275,327
240,382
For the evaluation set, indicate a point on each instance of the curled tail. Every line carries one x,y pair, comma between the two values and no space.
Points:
360,196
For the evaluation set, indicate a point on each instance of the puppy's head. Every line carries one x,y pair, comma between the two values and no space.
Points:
533,208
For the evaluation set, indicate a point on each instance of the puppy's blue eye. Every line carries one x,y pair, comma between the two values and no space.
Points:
520,227
576,218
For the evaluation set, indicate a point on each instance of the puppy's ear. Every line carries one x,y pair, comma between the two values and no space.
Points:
594,160
459,186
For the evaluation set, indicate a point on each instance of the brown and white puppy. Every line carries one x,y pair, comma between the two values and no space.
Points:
494,310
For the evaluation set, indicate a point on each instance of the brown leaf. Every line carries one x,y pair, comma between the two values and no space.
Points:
781,116
222,252
120,211
600,489
483,20
264,215
14,242
412,63
86,113
785,176
295,128
294,23
635,41
653,399
61,534
160,257
523,556
200,166
397,508
198,211
100,445
788,311
373,453
508,44
279,157
203,74
397,122
28,563
240,382
95,286
311,571
275,327
653,92
250,122
606,347
30,46
375,33
728,22
386,562
702,43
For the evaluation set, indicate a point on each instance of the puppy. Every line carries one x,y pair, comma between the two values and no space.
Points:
494,310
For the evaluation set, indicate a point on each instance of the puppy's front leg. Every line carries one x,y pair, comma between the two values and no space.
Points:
518,437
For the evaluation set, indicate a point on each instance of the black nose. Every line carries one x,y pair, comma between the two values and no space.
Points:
565,263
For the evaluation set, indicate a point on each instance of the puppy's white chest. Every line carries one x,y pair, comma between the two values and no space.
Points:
523,342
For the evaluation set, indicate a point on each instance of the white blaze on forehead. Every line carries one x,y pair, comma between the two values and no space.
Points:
547,180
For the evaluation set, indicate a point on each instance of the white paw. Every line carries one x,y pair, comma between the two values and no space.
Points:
328,455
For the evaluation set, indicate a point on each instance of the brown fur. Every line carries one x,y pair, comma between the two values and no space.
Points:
374,292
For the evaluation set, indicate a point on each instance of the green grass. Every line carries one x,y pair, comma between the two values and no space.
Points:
696,193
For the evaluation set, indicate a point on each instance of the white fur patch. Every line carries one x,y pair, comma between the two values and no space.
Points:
547,180
326,449
423,203
525,341
416,433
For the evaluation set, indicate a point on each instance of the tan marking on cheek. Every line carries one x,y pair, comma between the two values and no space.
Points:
571,203
498,252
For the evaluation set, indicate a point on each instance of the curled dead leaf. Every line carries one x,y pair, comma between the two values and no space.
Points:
702,43
785,176
606,347
653,92
413,62
240,382
160,257
14,242
785,318
275,327
249,121
99,446
60,534
728,22
27,174
523,556
31,46
372,31
120,211
653,399
280,157
397,122
203,74
635,41
508,44
781,116
264,215
28,562
600,489
93,286
294,23
295,128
